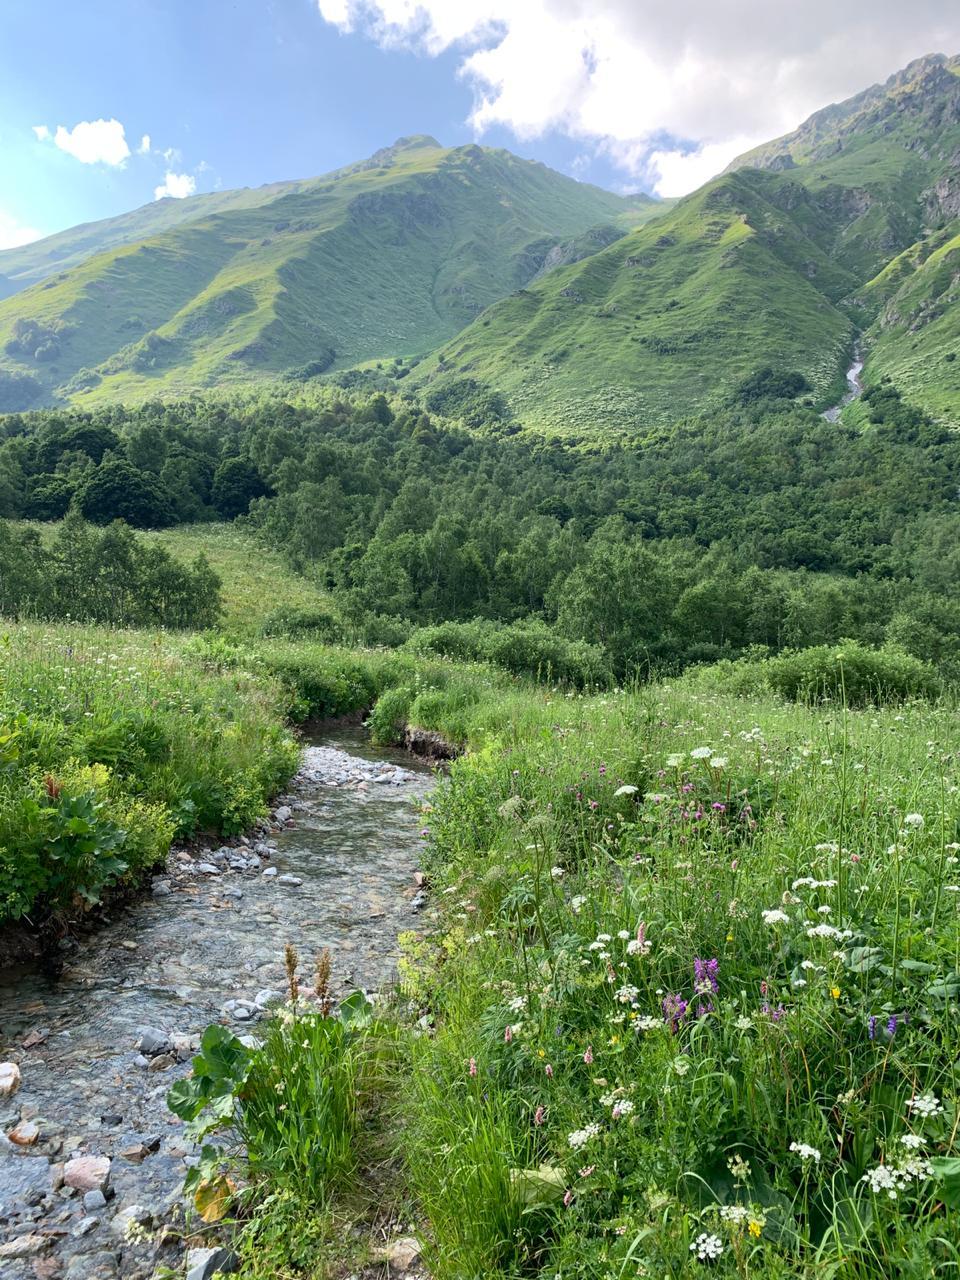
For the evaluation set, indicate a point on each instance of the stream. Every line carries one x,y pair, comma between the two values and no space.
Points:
99,1044
854,388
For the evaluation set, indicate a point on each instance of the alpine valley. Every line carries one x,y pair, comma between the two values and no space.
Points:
588,313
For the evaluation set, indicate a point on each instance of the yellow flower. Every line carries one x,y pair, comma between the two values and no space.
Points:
755,1228
729,937
835,992
614,1040
541,1053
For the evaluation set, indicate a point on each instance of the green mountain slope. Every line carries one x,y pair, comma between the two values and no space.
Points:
766,265
393,255
915,338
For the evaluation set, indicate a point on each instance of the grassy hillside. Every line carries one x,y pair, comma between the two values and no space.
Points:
388,257
916,337
665,320
765,265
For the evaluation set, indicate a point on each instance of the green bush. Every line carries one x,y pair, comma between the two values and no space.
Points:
523,648
390,716
851,673
319,623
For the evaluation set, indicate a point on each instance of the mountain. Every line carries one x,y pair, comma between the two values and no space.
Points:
769,264
388,257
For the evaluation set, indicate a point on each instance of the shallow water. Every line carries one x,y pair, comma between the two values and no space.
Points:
172,963
854,389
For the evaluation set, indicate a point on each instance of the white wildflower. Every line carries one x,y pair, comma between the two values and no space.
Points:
626,790
927,1104
580,1137
707,1247
806,1152
775,916
701,753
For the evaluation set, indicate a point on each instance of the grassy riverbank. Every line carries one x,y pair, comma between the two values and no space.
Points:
111,744
686,997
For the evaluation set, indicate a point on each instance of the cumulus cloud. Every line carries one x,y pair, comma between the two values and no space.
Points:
144,147
671,92
14,233
176,185
90,141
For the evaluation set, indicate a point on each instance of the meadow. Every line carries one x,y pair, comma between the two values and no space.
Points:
685,1001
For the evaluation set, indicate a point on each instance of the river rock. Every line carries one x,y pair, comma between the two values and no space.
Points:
290,879
24,1134
270,871
152,1042
86,1225
208,869
23,1179
24,1246
94,1200
400,1254
87,1173
161,888
162,1062
9,1079
204,1263
134,1215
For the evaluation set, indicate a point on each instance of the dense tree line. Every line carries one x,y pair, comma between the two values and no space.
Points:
761,526
102,575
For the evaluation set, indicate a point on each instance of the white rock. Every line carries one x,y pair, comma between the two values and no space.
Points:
9,1079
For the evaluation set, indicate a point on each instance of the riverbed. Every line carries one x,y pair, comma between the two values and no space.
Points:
99,1044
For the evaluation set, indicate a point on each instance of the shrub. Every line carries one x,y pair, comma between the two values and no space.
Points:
389,717
319,622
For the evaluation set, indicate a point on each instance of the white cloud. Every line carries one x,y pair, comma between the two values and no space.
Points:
14,233
176,185
636,76
90,141
144,147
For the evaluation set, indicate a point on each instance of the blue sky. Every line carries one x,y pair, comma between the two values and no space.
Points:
631,94
243,92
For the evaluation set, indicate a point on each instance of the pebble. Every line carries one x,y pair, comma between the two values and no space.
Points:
24,1134
87,1173
161,888
283,814
204,1263
208,869
290,879
94,1200
152,1041
86,1225
270,871
9,1079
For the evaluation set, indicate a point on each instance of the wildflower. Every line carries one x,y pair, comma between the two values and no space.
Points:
674,1011
705,975
743,1023
756,1225
538,1116
701,753
518,1004
580,1137
681,1066
912,1140
623,934
639,946
626,994
707,1247
557,873
892,1025
872,1026
735,1213
586,1171
835,992
588,1055
718,762
473,1066
646,1023
674,761
775,916
926,1105
622,1108
568,1199
507,1034
577,903
626,790
896,1177
806,1152
548,1070
913,821
739,1168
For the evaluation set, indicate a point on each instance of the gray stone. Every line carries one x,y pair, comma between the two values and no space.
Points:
94,1200
152,1041
208,869
264,999
419,901
21,1179
86,1225
284,813
204,1263
134,1215
161,888
289,879
270,871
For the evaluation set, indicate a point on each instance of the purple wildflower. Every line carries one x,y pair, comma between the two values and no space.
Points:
674,1011
872,1026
